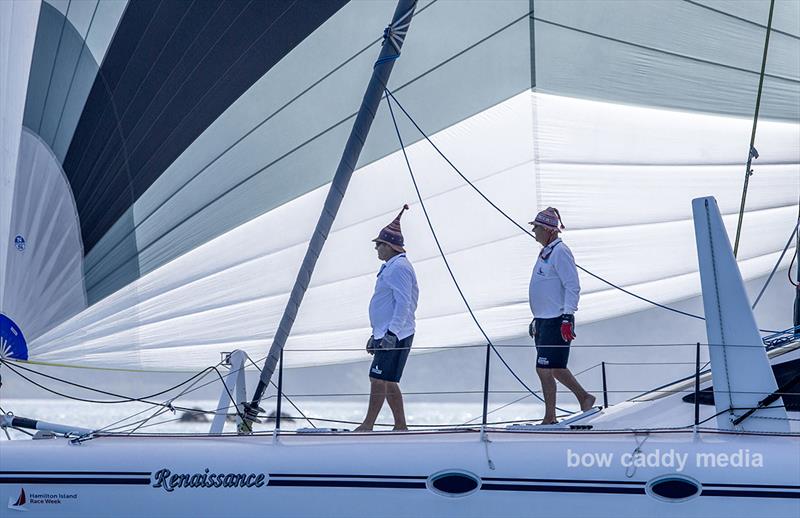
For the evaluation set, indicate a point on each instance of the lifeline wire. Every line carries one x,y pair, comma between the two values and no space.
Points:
444,257
124,399
523,229
190,390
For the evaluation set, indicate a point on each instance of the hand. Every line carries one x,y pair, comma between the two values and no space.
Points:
532,329
389,341
371,345
568,327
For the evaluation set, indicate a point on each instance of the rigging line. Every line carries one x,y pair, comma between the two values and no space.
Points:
496,409
192,388
168,405
52,391
777,264
509,392
745,20
282,393
125,399
423,427
665,52
247,134
444,257
516,346
143,422
22,430
122,427
523,229
188,390
734,409
120,423
465,50
751,151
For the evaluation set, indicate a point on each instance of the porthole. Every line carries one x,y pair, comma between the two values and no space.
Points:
673,488
453,483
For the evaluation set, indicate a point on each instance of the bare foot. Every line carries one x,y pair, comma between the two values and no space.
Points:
363,428
549,421
588,402
400,429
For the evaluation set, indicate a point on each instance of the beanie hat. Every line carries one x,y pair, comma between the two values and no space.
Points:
391,233
548,218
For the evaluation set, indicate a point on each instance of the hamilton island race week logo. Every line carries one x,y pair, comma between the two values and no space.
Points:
165,479
24,501
19,503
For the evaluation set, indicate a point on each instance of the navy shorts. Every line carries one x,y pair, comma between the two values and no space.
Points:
552,351
388,364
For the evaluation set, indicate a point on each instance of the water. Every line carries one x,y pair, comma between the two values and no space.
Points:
126,415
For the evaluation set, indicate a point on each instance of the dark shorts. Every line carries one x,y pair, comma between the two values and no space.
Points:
552,351
388,364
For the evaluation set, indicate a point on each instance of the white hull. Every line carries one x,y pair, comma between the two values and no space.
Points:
388,475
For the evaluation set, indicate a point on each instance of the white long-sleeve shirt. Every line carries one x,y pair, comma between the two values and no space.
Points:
554,288
395,299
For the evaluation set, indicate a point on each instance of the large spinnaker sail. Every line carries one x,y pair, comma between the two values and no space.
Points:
602,109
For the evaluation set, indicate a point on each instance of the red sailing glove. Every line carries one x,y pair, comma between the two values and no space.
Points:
568,327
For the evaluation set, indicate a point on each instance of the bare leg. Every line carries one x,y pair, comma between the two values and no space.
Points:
549,390
395,398
585,399
377,395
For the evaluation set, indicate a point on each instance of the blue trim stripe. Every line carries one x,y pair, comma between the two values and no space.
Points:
405,482
68,481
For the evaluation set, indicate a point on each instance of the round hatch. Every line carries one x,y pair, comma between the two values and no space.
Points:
673,488
453,483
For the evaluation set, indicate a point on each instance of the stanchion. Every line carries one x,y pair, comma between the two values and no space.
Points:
280,393
486,387
697,386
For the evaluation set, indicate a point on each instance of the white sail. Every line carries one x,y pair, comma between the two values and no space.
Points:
600,109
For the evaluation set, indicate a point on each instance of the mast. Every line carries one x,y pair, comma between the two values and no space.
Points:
393,37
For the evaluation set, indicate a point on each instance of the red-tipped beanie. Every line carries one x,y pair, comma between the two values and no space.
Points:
548,218
391,233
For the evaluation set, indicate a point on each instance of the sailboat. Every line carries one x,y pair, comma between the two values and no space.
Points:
618,461
737,458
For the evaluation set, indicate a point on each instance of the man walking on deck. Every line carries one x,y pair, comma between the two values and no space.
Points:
553,295
391,315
